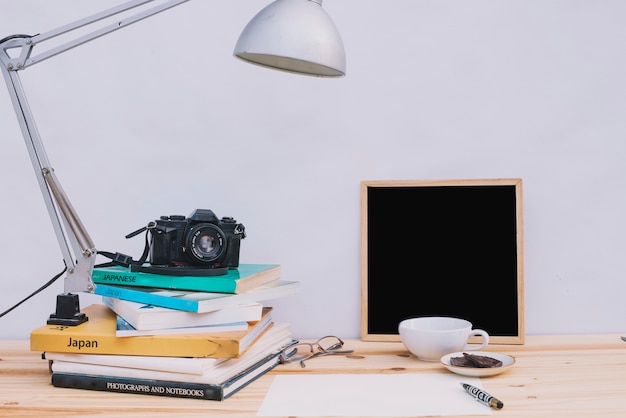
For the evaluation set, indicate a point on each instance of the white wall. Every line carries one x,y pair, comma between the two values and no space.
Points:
159,118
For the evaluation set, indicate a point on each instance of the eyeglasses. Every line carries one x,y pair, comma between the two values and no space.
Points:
304,351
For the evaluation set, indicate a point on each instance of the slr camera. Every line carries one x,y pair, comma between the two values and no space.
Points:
200,240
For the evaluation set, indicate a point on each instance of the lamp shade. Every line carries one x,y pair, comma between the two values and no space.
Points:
295,36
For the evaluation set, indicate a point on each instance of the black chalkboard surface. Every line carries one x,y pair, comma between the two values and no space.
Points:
442,248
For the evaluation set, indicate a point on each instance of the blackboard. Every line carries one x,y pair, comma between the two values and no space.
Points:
442,248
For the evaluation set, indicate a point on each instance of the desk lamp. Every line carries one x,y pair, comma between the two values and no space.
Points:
296,36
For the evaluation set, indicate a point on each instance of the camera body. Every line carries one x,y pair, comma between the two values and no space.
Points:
200,240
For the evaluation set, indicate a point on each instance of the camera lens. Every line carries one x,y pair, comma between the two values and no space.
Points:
206,243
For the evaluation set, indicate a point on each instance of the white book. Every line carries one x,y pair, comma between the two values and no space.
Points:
149,317
274,340
124,329
186,365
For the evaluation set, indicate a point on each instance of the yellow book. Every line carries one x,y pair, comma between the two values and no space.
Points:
97,336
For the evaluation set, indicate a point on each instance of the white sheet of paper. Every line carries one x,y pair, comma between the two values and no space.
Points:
363,395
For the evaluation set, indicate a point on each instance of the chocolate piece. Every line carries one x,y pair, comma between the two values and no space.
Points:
460,362
473,360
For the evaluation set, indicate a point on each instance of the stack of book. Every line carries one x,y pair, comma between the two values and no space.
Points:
195,337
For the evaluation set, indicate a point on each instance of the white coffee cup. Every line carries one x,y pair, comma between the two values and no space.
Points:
430,338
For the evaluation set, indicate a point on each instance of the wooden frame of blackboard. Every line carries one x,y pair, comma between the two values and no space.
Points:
442,248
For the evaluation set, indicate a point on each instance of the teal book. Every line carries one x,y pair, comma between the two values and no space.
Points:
190,301
239,280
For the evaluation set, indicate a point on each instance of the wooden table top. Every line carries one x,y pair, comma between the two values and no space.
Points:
554,376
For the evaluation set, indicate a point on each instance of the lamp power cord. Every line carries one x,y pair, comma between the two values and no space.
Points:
45,286
116,259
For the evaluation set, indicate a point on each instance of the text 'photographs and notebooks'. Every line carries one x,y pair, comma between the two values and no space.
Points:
244,278
212,379
198,301
98,336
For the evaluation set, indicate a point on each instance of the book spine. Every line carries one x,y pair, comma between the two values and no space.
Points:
129,278
138,386
124,329
139,296
159,345
282,289
144,317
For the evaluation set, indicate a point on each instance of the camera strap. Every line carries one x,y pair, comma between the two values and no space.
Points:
119,259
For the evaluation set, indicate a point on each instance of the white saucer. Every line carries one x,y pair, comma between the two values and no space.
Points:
507,363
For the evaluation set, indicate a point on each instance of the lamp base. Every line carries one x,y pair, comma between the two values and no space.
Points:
68,311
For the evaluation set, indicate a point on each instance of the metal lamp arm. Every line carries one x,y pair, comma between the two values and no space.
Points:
26,59
47,183
71,234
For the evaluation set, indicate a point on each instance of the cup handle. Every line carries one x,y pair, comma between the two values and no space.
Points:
477,333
